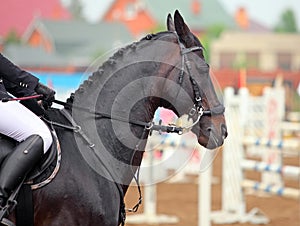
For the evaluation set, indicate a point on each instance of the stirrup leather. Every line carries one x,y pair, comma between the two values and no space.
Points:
10,205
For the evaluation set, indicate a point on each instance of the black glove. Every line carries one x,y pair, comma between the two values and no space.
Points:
34,106
48,94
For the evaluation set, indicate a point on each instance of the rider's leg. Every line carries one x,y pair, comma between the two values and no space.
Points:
18,163
18,122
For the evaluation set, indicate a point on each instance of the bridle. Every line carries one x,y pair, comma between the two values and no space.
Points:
197,110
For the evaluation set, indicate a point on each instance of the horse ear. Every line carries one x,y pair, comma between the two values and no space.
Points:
182,29
170,23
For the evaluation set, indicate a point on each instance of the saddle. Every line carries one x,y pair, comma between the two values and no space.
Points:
41,170
42,174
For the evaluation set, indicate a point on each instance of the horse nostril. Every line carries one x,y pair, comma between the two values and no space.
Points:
224,131
209,131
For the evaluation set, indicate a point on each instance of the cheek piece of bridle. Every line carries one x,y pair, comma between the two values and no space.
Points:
196,112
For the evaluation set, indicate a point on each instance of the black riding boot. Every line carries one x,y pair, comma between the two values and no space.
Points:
18,164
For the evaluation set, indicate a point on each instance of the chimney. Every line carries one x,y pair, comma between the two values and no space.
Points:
56,12
241,18
196,7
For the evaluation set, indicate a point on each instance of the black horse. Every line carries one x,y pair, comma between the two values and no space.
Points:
111,114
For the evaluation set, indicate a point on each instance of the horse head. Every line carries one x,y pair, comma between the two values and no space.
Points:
166,69
207,111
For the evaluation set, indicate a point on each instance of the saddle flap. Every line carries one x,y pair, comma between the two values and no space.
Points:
7,144
45,162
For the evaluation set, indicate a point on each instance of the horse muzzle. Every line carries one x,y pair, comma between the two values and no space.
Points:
213,136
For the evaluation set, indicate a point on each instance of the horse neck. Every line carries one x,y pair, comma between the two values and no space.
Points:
121,89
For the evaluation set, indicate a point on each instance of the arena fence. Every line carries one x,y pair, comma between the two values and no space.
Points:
255,143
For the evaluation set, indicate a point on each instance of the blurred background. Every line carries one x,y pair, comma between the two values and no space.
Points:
253,45
248,43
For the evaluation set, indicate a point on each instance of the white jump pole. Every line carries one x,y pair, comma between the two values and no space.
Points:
291,144
204,198
233,203
234,161
274,100
272,189
204,187
150,216
286,171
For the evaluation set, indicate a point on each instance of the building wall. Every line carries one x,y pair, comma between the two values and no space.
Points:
133,14
271,51
37,39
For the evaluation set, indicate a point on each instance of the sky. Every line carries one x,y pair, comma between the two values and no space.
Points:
266,12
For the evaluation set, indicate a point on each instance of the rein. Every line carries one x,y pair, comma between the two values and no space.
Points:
147,125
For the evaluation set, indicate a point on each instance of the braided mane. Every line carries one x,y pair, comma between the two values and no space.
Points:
116,58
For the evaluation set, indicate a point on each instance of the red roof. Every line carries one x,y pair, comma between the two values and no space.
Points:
17,14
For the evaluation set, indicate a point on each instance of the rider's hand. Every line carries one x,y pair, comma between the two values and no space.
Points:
48,94
34,106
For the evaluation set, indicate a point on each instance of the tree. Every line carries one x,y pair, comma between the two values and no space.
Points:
75,8
287,22
12,37
213,32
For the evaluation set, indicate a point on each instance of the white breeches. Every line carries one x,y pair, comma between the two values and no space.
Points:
18,122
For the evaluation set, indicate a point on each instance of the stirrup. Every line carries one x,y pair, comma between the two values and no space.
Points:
6,222
6,210
9,206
